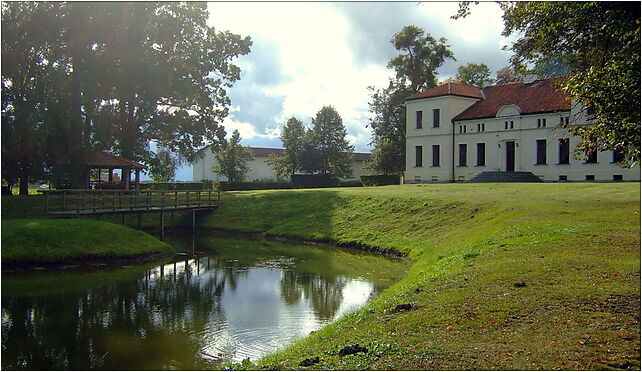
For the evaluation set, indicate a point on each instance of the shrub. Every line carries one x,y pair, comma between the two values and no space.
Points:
207,184
380,180
350,183
314,180
254,185
171,186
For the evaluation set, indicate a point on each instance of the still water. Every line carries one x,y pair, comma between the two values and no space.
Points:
237,299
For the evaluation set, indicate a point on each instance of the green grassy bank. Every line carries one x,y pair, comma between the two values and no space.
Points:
42,241
505,276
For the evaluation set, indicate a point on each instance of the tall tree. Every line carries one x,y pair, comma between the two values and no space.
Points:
474,74
131,73
163,165
233,159
600,42
292,139
27,63
326,143
172,75
420,57
416,70
384,159
389,118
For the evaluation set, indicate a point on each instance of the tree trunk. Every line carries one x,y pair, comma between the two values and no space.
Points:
24,178
75,127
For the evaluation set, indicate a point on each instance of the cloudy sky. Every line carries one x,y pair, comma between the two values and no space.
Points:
307,55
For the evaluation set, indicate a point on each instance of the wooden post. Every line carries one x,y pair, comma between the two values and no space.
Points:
94,200
47,201
64,201
123,218
162,226
173,223
140,220
137,182
78,204
193,222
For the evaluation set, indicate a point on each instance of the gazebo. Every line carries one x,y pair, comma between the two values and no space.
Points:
103,160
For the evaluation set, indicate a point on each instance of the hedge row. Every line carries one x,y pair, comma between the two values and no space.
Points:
269,185
171,186
380,180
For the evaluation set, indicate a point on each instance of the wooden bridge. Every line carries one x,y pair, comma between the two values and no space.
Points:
96,203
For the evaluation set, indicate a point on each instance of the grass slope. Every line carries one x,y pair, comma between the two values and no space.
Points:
46,241
505,276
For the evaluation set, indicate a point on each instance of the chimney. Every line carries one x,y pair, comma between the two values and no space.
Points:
529,78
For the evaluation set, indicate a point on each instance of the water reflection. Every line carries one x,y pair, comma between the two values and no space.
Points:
186,314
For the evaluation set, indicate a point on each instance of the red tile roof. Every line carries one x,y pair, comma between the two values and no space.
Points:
537,97
449,89
103,159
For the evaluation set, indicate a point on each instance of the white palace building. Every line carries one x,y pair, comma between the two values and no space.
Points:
455,132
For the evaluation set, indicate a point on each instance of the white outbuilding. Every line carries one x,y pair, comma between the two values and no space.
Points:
259,169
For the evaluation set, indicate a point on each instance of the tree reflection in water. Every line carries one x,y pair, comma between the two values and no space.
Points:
188,314
325,293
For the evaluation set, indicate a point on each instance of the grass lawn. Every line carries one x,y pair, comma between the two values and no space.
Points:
36,241
505,276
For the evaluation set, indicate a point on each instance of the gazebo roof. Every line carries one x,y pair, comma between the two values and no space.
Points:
103,159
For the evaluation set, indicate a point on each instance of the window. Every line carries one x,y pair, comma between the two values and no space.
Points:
435,118
435,155
563,151
617,157
483,127
618,177
590,177
563,120
420,115
462,154
481,154
480,127
539,123
563,177
505,125
511,124
464,129
418,160
541,152
592,158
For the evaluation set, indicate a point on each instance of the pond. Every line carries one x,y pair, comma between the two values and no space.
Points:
234,299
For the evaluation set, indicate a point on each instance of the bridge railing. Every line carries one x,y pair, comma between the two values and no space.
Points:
104,201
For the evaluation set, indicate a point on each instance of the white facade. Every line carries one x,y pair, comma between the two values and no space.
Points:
259,169
457,150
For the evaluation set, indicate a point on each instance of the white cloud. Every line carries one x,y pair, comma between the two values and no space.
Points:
314,62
